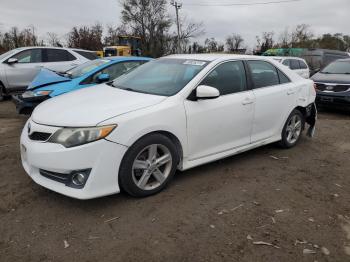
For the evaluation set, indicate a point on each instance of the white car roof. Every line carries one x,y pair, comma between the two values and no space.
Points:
212,57
286,57
53,47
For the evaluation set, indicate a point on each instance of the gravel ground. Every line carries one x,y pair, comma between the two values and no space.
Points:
297,200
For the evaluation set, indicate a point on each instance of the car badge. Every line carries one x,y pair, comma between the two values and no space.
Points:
329,88
29,128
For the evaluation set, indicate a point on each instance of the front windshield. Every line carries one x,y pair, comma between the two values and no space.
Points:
338,67
86,67
8,53
164,77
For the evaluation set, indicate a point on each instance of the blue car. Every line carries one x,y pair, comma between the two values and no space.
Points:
48,84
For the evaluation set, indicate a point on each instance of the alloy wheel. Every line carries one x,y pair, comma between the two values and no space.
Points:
152,166
294,128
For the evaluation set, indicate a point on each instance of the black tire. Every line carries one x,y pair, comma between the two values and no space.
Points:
126,179
2,93
285,142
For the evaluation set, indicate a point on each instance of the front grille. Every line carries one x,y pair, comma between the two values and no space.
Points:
39,136
332,88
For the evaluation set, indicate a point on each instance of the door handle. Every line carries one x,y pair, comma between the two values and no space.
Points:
247,101
290,91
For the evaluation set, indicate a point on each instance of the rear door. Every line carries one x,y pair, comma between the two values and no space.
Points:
220,124
274,99
59,59
20,74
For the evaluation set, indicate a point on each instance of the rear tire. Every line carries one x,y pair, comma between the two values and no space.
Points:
2,93
292,129
148,165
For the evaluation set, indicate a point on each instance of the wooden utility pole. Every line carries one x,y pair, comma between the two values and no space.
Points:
177,6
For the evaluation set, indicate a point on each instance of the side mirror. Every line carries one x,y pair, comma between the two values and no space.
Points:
103,78
207,92
12,60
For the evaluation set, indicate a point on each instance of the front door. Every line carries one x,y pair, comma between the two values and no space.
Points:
224,123
20,74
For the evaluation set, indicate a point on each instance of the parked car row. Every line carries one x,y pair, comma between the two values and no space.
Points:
48,83
18,67
175,112
333,85
296,64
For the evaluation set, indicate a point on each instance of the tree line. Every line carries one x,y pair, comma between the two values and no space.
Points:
150,20
301,36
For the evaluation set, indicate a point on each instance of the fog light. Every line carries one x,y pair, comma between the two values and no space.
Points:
78,179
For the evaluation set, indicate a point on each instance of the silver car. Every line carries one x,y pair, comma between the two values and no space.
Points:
18,67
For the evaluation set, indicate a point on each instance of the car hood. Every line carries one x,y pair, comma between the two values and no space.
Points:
47,77
90,106
331,78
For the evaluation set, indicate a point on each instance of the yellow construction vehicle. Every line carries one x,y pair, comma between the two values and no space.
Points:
99,54
118,50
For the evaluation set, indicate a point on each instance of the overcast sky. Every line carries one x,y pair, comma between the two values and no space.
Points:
59,16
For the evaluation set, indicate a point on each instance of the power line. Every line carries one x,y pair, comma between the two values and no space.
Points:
243,4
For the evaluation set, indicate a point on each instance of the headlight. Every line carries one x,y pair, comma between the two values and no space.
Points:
29,94
70,137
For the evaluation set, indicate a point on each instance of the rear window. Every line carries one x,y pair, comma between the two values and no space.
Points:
263,74
294,64
87,55
302,64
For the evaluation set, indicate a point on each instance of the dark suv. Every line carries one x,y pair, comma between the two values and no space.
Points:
333,84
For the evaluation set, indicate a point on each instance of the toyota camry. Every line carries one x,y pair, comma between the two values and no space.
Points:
173,113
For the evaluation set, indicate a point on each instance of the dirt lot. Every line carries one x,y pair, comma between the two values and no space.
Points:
294,199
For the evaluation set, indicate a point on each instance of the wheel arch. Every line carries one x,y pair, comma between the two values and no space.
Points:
171,136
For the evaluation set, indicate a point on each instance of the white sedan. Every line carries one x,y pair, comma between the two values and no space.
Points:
176,112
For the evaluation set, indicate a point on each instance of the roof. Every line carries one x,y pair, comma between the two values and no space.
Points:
286,57
126,58
212,57
54,47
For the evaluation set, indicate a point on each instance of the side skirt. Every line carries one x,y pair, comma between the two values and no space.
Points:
211,158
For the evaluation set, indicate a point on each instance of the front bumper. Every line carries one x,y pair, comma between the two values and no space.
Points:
27,105
331,99
102,158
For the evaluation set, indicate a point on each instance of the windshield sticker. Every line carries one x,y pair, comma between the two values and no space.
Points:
194,62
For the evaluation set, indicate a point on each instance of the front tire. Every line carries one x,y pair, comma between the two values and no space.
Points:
148,165
292,129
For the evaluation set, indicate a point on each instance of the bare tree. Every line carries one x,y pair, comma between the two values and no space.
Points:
53,39
86,37
265,42
234,42
15,38
113,33
285,39
302,36
149,20
189,30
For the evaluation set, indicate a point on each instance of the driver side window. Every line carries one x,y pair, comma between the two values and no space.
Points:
113,71
228,78
29,56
